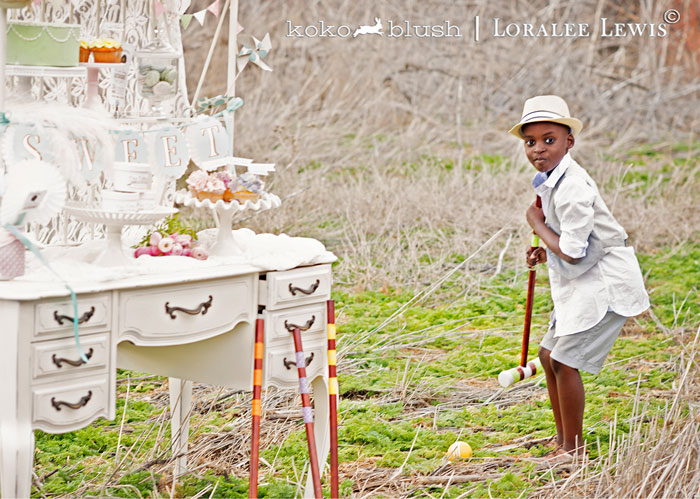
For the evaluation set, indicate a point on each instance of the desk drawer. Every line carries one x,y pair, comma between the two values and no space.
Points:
295,287
278,371
311,316
54,319
182,313
63,407
58,358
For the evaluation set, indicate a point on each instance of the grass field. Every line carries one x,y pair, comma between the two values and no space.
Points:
418,366
394,154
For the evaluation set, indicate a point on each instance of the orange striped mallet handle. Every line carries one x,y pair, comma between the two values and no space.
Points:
333,397
307,412
257,408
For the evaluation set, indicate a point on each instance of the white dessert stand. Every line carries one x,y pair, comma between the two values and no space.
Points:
113,254
93,100
224,212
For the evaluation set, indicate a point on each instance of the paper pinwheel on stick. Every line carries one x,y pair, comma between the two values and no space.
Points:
35,192
254,51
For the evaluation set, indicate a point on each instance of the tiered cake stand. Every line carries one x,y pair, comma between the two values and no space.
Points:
113,254
224,213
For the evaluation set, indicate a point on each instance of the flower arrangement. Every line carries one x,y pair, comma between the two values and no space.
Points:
224,185
171,238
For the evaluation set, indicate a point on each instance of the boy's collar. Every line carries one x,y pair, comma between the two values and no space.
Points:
549,181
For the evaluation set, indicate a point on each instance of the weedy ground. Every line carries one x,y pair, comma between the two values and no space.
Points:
417,371
393,152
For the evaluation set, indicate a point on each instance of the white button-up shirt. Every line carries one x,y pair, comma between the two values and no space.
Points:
615,282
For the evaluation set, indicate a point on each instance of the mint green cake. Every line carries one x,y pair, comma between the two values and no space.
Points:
43,44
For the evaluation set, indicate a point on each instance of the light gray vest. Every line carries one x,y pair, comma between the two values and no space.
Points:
606,231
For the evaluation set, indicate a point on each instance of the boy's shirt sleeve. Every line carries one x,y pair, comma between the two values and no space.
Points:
573,205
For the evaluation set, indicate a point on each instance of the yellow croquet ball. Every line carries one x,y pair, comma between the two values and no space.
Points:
459,450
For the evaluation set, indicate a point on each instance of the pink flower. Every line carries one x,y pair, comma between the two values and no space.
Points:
155,251
143,250
226,177
198,180
199,252
155,238
177,249
215,185
186,252
184,239
166,245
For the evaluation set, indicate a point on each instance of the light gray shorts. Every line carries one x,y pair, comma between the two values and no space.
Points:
585,350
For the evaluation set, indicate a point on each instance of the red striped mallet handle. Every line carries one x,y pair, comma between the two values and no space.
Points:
257,408
333,397
307,412
529,300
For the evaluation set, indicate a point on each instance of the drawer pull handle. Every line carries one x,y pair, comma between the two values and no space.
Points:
292,327
75,363
200,309
80,403
293,289
85,317
289,363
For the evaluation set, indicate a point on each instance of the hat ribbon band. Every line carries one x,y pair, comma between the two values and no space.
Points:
542,114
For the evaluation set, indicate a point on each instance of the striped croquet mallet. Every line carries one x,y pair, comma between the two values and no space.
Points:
332,396
307,412
257,408
525,369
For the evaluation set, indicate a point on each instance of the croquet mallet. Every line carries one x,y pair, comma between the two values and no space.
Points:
525,369
307,412
333,397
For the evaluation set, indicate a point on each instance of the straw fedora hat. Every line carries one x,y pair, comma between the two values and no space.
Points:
546,108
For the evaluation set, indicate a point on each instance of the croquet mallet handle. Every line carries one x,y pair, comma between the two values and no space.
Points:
530,296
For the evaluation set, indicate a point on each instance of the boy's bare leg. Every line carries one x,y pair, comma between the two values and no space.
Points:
553,392
571,398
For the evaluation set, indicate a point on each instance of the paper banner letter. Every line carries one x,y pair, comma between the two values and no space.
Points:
90,166
171,152
26,142
130,147
209,144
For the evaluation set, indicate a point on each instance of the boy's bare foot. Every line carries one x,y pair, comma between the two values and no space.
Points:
557,458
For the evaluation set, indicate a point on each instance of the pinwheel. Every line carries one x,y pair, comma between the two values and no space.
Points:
254,51
36,192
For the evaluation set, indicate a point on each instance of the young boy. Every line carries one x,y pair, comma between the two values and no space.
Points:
595,279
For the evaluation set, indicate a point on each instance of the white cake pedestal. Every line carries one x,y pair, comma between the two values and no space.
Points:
113,254
224,213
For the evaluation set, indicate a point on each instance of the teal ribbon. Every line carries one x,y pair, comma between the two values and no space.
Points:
27,243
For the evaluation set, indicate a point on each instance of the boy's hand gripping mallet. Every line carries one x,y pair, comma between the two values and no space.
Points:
525,369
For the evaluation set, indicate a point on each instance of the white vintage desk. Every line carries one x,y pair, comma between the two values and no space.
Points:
193,324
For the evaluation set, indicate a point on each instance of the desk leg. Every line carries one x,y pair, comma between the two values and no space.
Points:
16,435
319,387
180,404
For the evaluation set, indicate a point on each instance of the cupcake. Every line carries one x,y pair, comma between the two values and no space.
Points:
249,188
106,50
84,51
229,181
204,186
